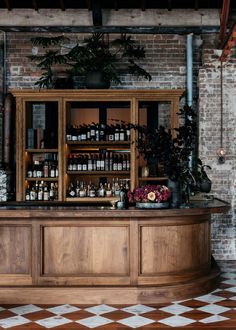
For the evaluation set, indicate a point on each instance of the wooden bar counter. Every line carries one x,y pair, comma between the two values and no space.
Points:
91,255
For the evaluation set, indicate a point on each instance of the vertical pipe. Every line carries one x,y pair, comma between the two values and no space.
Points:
190,69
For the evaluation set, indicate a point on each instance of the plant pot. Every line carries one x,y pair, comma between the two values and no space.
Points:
96,80
205,186
176,193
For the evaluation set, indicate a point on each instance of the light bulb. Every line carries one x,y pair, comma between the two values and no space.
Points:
221,155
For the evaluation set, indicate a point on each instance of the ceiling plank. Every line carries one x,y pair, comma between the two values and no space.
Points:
143,5
8,5
35,5
89,4
229,43
224,16
97,13
116,5
62,5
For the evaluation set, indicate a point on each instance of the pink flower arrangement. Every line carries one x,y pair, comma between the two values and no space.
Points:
149,193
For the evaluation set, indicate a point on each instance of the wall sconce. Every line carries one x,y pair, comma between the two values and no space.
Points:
221,151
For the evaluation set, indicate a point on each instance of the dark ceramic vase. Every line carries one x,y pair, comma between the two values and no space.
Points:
205,186
96,80
176,193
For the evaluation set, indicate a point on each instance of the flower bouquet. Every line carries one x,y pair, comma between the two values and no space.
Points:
150,196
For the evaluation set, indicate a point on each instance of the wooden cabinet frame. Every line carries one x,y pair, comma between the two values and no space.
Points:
64,96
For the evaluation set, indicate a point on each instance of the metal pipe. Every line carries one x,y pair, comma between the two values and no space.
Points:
190,69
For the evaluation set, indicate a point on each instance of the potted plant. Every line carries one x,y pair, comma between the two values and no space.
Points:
174,152
94,57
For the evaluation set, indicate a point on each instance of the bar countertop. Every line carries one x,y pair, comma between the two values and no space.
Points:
60,209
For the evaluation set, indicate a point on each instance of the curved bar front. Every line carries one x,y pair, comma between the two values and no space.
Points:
93,255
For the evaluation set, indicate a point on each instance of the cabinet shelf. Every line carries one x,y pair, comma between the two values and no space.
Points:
41,179
41,150
106,173
93,199
99,143
154,178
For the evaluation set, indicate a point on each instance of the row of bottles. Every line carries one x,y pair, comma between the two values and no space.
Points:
98,132
42,191
103,161
47,168
107,189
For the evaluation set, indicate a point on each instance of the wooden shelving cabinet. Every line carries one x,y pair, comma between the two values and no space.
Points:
43,118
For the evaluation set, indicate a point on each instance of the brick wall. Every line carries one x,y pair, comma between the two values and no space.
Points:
166,61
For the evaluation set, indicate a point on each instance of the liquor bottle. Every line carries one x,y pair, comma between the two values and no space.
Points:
74,135
127,133
45,192
122,133
46,167
56,191
88,138
70,163
90,162
74,163
108,191
117,133
97,133
92,132
119,163
101,190
30,171
77,189
85,163
27,193
117,187
115,163
111,133
51,192
82,190
71,190
32,194
92,191
106,161
124,163
102,132
102,162
69,133
79,163
83,130
111,161
128,162
40,192
98,164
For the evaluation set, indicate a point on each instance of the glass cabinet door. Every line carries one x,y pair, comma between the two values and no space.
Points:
98,149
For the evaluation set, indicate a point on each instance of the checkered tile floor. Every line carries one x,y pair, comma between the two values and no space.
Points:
216,310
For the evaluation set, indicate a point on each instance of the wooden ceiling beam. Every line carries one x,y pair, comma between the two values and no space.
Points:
62,5
228,44
224,16
8,5
35,5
